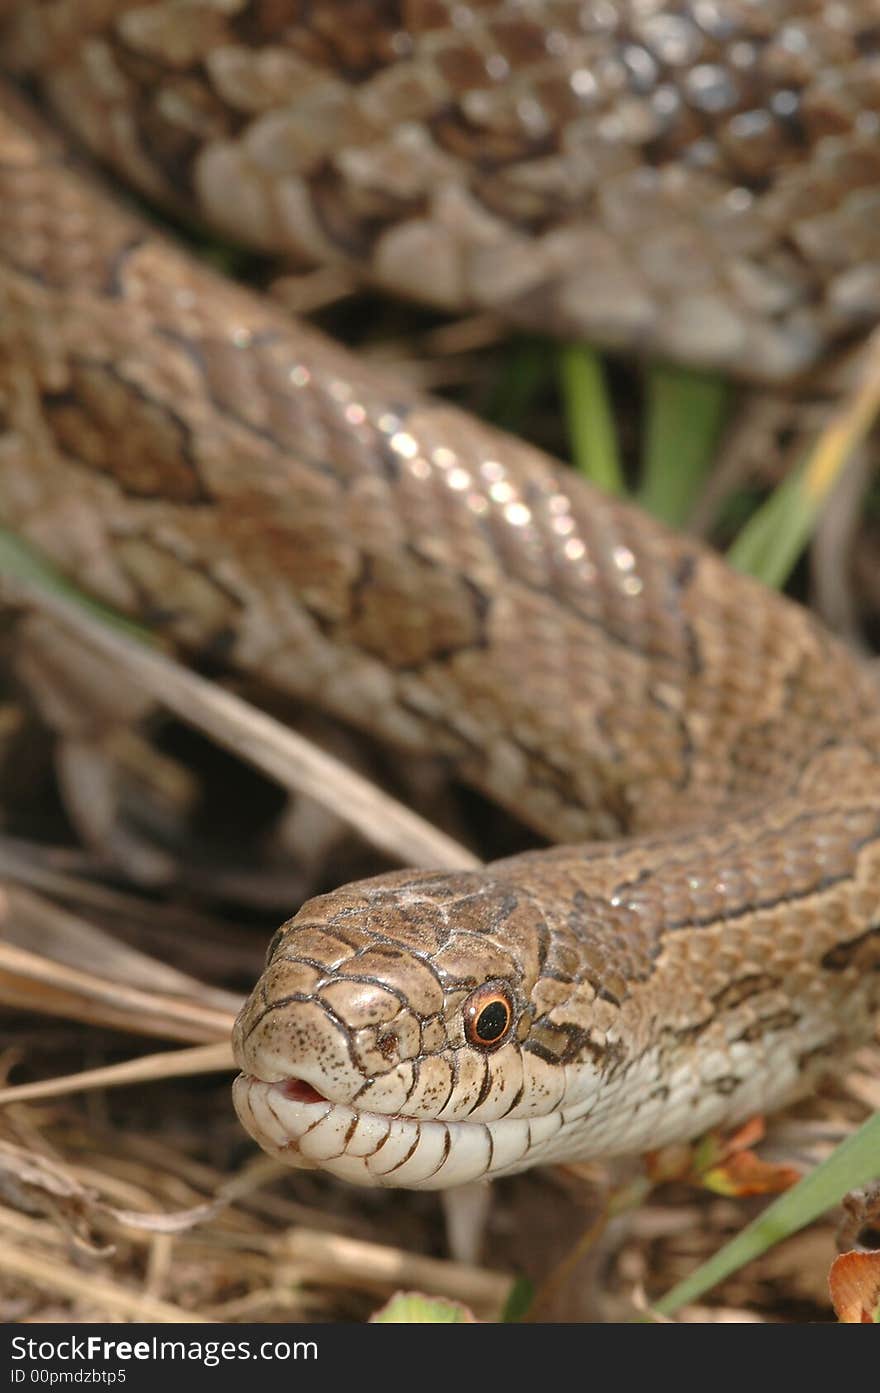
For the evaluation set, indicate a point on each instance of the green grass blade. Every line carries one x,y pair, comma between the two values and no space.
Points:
774,537
24,563
685,413
590,420
519,1300
854,1163
769,544
526,367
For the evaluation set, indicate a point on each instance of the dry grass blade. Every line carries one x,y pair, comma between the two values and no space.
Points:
147,1068
279,753
80,972
172,927
314,290
40,1174
468,335
30,982
833,544
300,1264
33,923
106,1296
848,426
330,1257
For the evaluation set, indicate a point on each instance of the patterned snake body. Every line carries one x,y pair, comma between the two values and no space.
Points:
694,178
185,451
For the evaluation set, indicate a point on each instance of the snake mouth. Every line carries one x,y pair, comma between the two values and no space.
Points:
298,1091
300,1127
297,1124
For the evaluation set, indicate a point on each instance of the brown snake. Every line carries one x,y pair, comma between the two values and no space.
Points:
698,178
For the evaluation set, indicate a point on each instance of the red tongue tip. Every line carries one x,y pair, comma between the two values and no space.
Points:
298,1091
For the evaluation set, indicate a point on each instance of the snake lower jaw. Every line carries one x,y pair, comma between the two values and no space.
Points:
380,1149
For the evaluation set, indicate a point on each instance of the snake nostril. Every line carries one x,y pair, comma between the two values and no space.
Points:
298,1091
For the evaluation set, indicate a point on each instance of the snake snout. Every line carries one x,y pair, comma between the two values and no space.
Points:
340,1006
295,1040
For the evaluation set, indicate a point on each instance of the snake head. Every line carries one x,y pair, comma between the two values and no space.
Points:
394,1037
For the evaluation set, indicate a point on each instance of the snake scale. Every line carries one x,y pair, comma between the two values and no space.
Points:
699,179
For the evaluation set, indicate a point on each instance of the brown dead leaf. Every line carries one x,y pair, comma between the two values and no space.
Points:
724,1164
744,1173
854,1283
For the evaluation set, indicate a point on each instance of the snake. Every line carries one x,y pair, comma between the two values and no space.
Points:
701,940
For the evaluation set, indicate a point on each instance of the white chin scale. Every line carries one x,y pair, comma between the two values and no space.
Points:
369,1148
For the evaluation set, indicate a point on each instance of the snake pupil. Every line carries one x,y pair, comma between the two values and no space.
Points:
492,1021
488,1014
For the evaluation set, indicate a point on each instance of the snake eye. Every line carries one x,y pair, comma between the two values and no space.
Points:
488,1013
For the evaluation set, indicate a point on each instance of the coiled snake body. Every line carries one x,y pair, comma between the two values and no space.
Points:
188,453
